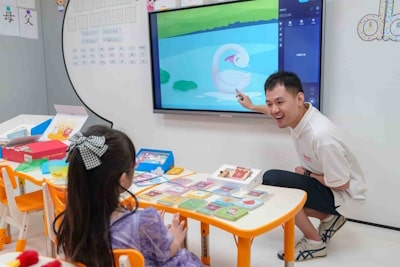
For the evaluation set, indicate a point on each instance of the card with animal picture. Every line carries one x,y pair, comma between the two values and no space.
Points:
209,209
170,200
255,193
227,200
225,190
181,181
150,195
202,185
175,189
231,213
154,181
193,204
239,173
144,176
200,194
249,203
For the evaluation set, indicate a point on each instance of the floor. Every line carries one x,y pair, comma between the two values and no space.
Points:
354,245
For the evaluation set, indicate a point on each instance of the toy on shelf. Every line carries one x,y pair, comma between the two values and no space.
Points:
29,258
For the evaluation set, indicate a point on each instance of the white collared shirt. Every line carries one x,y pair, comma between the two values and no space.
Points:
321,150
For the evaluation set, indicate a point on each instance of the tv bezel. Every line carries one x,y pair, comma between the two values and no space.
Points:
229,113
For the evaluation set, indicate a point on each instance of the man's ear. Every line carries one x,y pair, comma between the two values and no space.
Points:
300,98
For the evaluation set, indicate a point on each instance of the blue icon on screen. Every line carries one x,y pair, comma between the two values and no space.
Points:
303,1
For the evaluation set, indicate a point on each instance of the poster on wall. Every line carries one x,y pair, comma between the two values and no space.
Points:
104,34
18,21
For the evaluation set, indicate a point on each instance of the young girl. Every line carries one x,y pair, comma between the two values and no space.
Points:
101,167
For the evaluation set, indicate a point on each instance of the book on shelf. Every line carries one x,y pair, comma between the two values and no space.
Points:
192,204
170,200
150,195
227,200
249,203
231,213
210,208
225,190
196,193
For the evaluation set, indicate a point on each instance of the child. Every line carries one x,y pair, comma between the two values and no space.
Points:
101,167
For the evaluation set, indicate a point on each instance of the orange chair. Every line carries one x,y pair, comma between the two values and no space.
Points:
54,204
125,257
16,209
133,257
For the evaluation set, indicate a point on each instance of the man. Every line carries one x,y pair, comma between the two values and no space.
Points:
329,172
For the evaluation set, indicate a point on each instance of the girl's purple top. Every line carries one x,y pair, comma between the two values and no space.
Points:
145,231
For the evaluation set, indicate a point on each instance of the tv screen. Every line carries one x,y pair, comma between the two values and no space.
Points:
201,55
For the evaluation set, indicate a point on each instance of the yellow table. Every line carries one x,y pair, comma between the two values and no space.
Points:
280,208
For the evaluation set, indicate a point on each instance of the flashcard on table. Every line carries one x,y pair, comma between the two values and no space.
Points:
157,180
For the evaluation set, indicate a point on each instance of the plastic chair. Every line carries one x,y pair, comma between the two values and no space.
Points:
128,258
54,204
16,209
125,257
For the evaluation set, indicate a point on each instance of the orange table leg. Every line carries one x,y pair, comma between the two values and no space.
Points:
289,236
205,255
244,251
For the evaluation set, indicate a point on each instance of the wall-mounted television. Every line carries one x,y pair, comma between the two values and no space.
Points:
200,55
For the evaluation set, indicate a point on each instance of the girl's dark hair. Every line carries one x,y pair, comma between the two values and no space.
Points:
92,197
288,79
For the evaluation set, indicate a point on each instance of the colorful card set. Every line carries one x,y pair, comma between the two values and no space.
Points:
225,190
150,195
209,209
231,213
192,204
170,200
199,194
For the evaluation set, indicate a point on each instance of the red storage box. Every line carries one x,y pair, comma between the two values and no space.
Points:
52,149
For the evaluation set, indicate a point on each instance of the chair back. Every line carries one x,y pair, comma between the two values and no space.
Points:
54,204
133,257
125,257
8,184
16,208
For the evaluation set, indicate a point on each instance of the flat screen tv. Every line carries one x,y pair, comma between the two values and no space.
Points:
200,55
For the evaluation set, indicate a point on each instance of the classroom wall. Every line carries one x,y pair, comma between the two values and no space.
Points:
359,96
22,75
32,71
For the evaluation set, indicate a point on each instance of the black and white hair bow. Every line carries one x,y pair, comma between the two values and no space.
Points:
91,148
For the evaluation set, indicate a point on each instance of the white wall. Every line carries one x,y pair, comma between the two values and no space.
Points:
359,96
22,75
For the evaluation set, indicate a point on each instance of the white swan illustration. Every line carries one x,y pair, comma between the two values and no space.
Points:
227,81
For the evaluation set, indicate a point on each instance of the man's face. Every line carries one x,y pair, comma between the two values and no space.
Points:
285,108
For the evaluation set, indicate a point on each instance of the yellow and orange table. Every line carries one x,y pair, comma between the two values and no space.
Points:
280,208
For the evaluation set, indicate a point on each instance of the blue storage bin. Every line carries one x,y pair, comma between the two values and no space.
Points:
151,159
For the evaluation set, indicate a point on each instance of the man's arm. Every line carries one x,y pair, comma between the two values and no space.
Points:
320,178
245,101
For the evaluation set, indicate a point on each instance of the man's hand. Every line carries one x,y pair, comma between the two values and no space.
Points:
246,102
299,170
